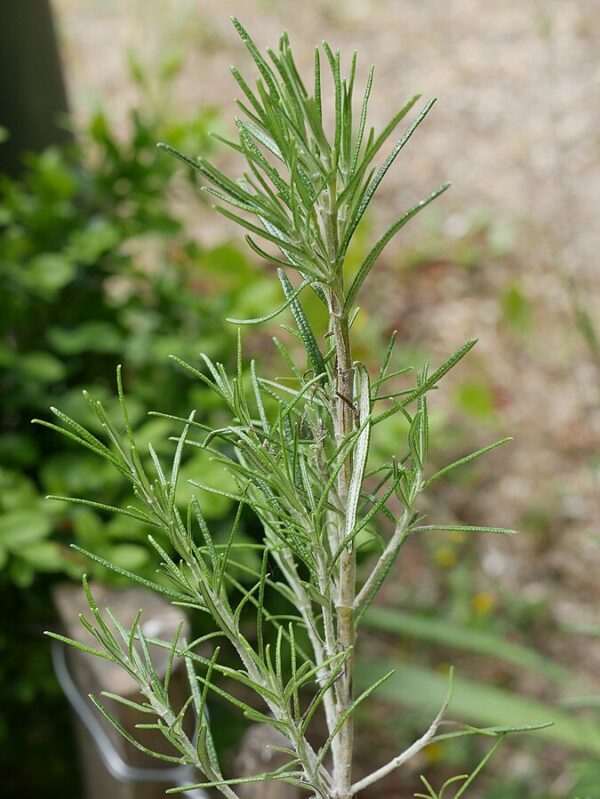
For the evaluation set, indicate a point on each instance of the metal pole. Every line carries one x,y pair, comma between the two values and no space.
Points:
32,90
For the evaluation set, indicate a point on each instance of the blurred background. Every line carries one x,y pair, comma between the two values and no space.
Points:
108,255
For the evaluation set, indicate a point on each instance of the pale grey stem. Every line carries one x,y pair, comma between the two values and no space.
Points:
332,697
403,757
315,771
168,716
367,593
344,426
343,419
321,652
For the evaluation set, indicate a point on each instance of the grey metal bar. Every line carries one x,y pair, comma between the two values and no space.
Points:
114,763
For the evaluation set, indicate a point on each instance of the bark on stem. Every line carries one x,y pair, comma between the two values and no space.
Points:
344,425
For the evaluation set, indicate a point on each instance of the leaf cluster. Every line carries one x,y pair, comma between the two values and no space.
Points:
306,190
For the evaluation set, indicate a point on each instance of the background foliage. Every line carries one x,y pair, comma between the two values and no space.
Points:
94,268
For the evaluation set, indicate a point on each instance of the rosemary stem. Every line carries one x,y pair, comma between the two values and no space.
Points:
344,423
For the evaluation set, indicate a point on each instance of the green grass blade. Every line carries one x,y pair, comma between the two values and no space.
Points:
445,633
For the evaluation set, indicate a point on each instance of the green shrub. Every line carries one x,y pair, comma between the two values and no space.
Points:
94,268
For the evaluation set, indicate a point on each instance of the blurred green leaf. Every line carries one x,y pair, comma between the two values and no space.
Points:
44,556
42,366
88,528
19,449
16,490
21,527
50,271
444,632
516,308
128,556
87,245
21,573
475,398
98,127
86,337
588,783
74,474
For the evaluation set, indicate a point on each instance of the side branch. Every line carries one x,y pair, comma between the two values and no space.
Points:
409,753
367,593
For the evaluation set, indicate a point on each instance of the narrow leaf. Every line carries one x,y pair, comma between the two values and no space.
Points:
430,382
371,258
461,528
315,357
374,184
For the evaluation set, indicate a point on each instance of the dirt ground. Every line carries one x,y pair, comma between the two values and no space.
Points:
517,129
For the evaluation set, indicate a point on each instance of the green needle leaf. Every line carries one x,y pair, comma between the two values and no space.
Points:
369,261
315,357
374,184
462,461
461,528
267,317
430,383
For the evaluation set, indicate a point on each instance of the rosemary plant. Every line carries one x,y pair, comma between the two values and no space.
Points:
297,447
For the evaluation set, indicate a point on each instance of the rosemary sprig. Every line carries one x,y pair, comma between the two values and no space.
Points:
298,449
